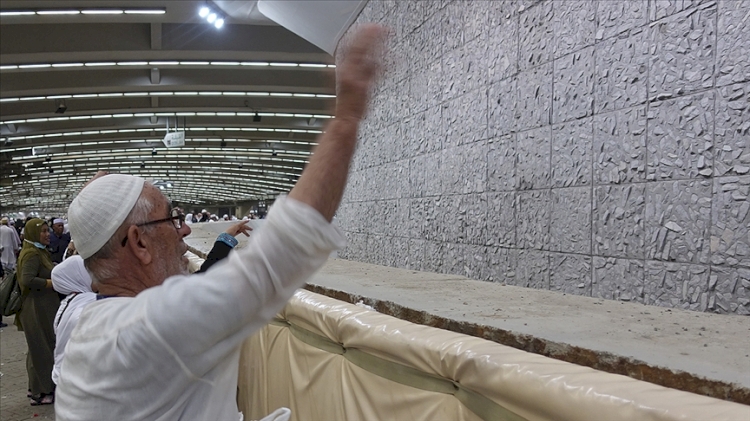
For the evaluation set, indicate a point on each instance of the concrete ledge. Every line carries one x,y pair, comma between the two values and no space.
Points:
703,353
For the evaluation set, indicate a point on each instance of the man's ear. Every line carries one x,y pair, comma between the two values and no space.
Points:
139,245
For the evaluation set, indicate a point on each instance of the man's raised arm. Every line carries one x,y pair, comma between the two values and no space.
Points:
323,180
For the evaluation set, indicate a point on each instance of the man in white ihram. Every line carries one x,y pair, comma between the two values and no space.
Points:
160,345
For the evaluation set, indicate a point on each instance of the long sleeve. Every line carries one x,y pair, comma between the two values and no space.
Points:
219,252
203,318
29,278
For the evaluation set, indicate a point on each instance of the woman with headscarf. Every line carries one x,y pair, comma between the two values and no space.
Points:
39,305
69,278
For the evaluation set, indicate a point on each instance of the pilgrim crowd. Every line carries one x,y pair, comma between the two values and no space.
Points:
116,326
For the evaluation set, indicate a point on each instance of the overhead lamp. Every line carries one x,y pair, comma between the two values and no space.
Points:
211,16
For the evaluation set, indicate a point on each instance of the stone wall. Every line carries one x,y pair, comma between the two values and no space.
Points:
598,148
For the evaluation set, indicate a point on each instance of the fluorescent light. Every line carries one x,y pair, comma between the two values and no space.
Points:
59,96
8,67
285,64
132,63
136,94
211,17
254,63
311,65
219,23
32,98
164,63
204,12
145,11
101,63
67,64
102,12
9,99
194,63
33,66
57,12
16,13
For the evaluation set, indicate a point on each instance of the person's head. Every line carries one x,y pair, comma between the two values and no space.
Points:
4,221
37,231
58,226
71,276
125,228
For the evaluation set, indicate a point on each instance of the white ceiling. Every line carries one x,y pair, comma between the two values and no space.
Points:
122,76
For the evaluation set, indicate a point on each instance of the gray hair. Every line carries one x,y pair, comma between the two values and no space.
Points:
102,264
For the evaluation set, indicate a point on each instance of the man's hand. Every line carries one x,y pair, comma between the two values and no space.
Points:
240,227
323,180
356,73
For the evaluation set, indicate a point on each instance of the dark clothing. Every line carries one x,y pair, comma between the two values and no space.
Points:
218,252
57,245
36,317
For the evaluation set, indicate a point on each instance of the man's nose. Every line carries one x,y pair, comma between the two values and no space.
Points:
185,230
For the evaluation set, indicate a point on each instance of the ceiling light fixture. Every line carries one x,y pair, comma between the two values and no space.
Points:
211,16
53,12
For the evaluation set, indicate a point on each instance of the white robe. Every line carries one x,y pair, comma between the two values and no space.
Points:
10,243
172,352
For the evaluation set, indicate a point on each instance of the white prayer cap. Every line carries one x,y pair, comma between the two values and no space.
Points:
58,221
99,210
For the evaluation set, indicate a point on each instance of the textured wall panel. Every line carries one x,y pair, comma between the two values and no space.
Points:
472,219
502,264
678,285
534,97
589,147
570,273
533,269
618,279
502,46
501,219
678,215
572,153
621,72
682,59
614,17
570,226
573,92
472,155
536,38
680,137
533,159
730,227
733,130
465,118
620,146
618,221
502,99
533,219
731,290
501,163
570,38
733,49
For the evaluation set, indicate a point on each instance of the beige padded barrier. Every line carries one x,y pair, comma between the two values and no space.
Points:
330,360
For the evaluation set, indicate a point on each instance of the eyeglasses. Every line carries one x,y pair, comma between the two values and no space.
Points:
175,216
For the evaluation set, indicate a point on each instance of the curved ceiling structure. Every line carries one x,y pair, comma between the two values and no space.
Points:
90,85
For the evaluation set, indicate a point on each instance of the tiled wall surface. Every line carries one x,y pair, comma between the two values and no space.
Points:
599,148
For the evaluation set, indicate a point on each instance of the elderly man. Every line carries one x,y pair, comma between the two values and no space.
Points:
160,345
58,240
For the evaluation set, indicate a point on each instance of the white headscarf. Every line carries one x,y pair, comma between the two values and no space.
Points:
69,277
